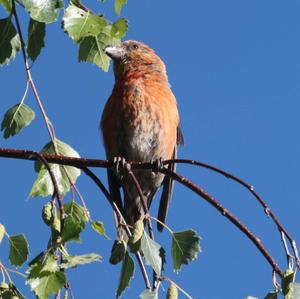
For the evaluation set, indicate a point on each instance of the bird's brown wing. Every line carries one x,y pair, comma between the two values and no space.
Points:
168,184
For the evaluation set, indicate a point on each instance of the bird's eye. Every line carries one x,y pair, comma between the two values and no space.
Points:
135,46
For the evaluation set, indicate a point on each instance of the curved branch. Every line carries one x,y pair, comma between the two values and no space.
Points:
227,214
82,163
250,188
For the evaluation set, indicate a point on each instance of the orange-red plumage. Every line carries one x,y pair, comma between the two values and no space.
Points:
140,122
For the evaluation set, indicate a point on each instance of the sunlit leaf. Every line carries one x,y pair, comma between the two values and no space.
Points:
127,272
44,11
98,226
42,265
185,247
118,6
119,28
76,260
10,42
75,221
151,251
16,118
18,250
43,185
47,284
79,23
91,48
36,35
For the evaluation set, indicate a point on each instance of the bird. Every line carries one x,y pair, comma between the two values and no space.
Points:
140,122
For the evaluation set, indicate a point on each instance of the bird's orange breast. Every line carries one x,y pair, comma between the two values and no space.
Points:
140,119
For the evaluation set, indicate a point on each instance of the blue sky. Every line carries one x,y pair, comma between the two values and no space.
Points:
234,67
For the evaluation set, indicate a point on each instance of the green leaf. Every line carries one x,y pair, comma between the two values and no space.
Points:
2,232
119,28
147,294
91,48
45,11
36,35
151,251
42,265
98,226
76,260
286,281
75,221
15,119
118,6
127,272
18,250
185,248
43,185
118,252
47,284
271,295
79,23
10,42
6,4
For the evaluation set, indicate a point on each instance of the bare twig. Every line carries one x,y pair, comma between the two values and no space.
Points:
28,72
82,163
251,189
257,242
98,182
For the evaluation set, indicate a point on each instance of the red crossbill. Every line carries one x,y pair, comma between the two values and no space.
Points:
140,122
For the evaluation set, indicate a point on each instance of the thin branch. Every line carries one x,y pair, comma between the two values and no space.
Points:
28,72
98,182
81,163
288,255
250,188
242,227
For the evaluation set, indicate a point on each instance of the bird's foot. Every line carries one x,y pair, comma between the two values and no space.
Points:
157,164
119,164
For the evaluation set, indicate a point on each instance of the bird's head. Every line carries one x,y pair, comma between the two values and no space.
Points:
133,56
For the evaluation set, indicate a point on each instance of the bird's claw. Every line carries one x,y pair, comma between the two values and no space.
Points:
157,164
119,164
